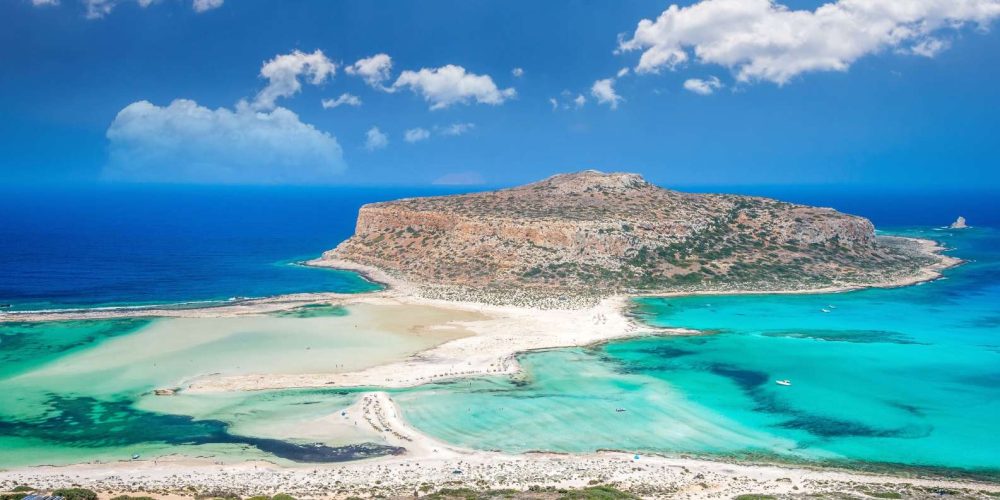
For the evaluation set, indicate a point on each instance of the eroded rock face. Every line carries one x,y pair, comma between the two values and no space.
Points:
959,223
613,231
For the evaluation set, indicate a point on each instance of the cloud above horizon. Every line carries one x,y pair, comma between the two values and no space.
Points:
344,99
700,86
185,142
375,139
448,85
416,135
604,92
96,9
283,72
373,70
761,40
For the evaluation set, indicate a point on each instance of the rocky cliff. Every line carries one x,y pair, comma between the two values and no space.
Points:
612,233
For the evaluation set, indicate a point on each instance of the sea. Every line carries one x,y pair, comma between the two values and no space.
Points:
899,379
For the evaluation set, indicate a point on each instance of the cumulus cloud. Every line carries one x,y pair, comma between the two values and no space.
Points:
203,5
39,3
416,135
517,72
448,85
703,87
622,72
604,92
554,103
283,72
457,129
375,139
579,101
344,99
188,143
764,40
374,70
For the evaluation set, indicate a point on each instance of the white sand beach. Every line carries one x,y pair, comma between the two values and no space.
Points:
429,465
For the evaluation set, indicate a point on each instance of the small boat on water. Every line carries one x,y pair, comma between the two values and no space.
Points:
825,310
135,456
620,410
784,382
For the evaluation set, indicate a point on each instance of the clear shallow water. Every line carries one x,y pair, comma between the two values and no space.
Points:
904,376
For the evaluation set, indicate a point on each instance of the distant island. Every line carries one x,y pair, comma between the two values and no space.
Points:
601,234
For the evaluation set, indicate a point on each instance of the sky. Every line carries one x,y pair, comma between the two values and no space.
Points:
894,93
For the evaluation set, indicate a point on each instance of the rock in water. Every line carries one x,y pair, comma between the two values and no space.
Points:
596,233
959,223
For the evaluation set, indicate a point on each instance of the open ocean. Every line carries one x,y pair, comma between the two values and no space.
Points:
906,377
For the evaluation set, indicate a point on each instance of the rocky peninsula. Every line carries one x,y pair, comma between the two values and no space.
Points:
602,234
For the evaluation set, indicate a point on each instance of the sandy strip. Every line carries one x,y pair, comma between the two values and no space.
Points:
490,350
431,464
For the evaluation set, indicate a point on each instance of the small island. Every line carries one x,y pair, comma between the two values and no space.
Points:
589,235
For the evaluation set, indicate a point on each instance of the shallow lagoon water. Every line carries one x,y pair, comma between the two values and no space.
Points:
907,376
82,390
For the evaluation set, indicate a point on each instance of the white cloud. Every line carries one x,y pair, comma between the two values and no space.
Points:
622,72
96,9
39,3
203,5
604,92
282,74
344,99
929,47
579,101
554,103
457,129
460,179
703,87
374,70
416,135
764,40
188,143
375,139
517,72
448,85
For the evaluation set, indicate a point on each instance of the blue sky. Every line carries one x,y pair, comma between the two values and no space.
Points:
886,92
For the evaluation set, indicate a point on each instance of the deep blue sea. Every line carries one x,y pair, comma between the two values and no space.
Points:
113,246
116,245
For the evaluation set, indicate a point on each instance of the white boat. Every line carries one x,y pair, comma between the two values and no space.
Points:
825,310
785,382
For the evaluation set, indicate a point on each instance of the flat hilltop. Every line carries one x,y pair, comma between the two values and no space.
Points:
595,233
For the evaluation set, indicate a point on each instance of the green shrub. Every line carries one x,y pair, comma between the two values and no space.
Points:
75,494
598,493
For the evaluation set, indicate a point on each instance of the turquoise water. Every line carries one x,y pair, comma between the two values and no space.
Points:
907,376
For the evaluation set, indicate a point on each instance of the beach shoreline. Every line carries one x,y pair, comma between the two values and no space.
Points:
498,338
428,461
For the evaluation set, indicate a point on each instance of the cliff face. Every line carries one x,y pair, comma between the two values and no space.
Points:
615,232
